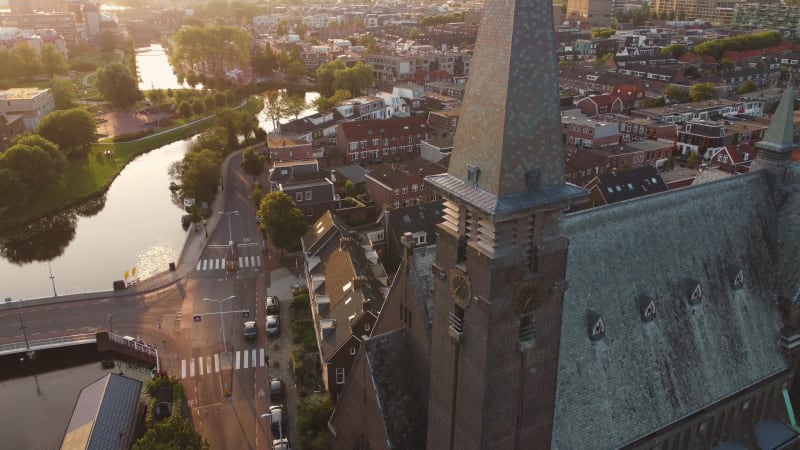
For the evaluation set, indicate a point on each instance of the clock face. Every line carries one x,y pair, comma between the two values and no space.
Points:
460,287
528,296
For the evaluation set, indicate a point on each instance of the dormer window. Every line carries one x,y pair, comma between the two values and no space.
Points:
738,280
647,308
597,329
693,291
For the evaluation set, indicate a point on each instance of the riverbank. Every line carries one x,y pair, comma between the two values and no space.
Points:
91,177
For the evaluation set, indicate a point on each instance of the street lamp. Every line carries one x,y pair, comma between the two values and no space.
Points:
230,233
221,318
52,279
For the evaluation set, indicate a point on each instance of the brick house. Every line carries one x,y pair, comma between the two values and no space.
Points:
312,191
587,133
444,123
393,186
11,126
600,104
373,141
344,283
639,128
283,147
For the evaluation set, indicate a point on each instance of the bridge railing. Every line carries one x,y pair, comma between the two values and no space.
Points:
135,344
39,344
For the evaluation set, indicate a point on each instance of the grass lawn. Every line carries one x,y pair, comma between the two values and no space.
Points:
89,178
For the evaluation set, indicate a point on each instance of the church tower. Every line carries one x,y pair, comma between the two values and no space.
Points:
500,261
775,149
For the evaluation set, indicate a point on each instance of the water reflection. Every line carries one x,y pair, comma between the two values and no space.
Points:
46,240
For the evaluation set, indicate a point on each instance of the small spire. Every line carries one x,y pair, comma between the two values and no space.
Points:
780,134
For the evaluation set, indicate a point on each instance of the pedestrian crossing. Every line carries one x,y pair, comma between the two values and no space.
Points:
219,263
207,365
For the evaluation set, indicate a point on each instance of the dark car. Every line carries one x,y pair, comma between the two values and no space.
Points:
272,304
276,391
250,330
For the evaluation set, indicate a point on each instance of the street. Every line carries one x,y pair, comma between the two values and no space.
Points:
197,322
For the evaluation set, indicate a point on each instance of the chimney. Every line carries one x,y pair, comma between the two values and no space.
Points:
408,243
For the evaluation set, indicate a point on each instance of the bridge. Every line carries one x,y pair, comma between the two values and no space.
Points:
105,341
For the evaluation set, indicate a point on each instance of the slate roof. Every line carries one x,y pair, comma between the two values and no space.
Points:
641,377
616,187
305,124
391,367
395,175
104,415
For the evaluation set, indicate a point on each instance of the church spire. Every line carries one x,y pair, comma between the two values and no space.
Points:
780,134
775,149
510,120
508,156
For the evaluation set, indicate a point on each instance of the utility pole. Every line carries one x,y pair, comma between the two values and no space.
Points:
52,279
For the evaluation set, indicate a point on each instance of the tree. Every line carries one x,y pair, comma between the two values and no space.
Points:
108,42
725,64
118,86
257,194
185,109
294,105
26,60
275,108
676,50
413,34
209,104
295,70
325,76
212,48
197,106
325,104
746,87
252,163
13,191
282,220
676,93
215,139
53,62
32,162
702,91
175,432
73,130
220,99
200,174
63,93
602,33
6,70
312,418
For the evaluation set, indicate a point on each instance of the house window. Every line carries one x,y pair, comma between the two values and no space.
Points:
352,351
414,188
340,375
410,202
363,155
308,195
396,205
385,142
411,139
385,152
376,142
363,144
394,150
397,192
405,189
354,146
298,196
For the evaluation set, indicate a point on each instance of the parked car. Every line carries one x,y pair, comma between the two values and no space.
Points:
280,444
273,325
278,420
276,391
272,304
250,330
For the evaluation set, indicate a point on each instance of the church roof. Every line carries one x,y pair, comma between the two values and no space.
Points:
642,376
391,367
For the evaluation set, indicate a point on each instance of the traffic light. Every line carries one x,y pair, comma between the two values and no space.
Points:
198,317
245,314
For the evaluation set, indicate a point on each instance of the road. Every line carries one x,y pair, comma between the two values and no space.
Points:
189,349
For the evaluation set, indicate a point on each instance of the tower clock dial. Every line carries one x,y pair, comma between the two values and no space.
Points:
528,296
460,288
